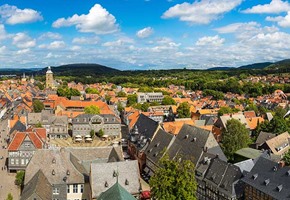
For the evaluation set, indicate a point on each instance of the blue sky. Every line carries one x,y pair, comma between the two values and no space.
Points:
143,34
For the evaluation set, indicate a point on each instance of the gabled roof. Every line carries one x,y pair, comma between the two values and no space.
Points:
116,192
193,141
263,137
146,126
275,175
222,176
37,185
161,142
105,175
279,144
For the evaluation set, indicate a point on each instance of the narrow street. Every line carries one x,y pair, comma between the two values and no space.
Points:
6,179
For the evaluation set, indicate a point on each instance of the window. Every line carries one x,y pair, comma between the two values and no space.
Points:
12,161
55,190
75,188
17,161
68,189
22,161
27,145
82,188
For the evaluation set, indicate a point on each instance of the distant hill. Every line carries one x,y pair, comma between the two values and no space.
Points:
280,65
256,65
80,69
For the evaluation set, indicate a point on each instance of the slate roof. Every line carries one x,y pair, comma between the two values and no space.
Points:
37,185
18,126
105,175
192,142
223,176
116,192
161,142
55,166
146,126
265,169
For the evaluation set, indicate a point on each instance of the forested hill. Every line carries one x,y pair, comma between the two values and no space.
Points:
80,70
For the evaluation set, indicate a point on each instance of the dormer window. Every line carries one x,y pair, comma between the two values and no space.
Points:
115,174
279,188
53,160
156,145
288,172
106,184
67,172
53,172
126,182
186,136
194,139
255,176
155,154
267,181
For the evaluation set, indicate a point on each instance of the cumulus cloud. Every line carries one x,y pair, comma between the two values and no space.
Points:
282,21
3,33
118,43
23,41
145,32
50,35
23,51
86,40
98,21
13,15
210,41
201,12
275,6
53,45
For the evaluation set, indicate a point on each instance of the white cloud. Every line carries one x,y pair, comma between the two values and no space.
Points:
165,44
23,51
86,40
282,21
23,41
275,6
98,21
53,45
210,41
3,49
244,31
118,43
50,35
145,32
13,15
201,12
76,48
3,33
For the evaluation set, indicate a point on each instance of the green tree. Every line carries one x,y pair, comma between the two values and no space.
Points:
131,99
286,158
183,110
145,106
121,94
92,109
167,100
120,107
108,98
37,105
92,133
40,85
101,133
234,137
38,125
9,197
174,180
224,110
19,178
92,91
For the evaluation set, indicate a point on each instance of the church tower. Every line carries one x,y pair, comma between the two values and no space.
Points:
49,78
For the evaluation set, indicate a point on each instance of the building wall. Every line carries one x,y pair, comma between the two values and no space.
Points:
252,193
78,195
